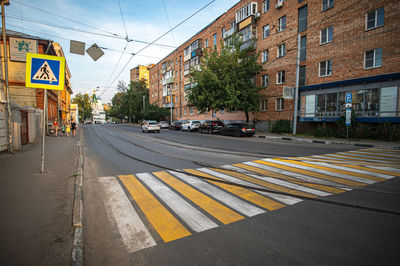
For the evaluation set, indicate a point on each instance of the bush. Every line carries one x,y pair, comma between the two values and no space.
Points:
324,132
282,126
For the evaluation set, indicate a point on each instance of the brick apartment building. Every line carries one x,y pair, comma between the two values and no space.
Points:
345,46
140,73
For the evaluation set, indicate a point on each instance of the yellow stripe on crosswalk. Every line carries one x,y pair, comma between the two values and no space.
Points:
370,169
265,183
360,157
216,209
304,172
334,170
166,225
352,160
374,154
242,192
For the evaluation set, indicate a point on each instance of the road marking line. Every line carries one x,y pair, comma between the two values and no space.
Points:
344,156
166,225
368,156
288,200
284,183
383,155
190,215
134,233
384,151
361,173
269,204
220,195
327,174
371,169
337,158
219,211
244,193
295,172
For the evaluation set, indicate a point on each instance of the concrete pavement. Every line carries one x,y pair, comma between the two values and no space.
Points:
36,224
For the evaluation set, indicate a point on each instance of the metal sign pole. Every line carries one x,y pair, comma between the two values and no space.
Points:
44,126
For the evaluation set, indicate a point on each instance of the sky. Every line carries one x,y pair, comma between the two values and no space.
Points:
107,24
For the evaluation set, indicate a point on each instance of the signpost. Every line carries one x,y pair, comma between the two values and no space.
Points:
44,72
349,100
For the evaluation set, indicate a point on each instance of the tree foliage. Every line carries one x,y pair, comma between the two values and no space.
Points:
84,106
226,79
128,102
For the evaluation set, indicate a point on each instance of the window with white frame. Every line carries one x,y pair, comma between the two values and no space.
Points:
246,11
206,43
281,51
282,24
325,68
326,35
327,4
374,18
279,104
263,105
264,80
264,55
280,77
265,6
373,58
265,31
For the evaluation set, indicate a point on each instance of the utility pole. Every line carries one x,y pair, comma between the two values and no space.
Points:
170,93
296,97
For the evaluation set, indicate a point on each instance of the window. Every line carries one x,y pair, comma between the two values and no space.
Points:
281,51
303,48
326,4
302,25
265,6
215,40
279,104
246,11
373,58
264,56
325,68
302,76
375,18
191,111
264,80
282,24
326,35
265,31
263,105
206,42
280,77
180,61
246,34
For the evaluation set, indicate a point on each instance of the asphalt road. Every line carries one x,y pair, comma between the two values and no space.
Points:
306,233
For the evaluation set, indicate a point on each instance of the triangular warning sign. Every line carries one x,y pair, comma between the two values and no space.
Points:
45,73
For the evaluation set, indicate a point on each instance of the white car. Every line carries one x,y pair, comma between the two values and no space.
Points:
190,125
150,126
164,124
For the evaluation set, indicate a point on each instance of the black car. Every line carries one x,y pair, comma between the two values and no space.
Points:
238,130
211,126
175,125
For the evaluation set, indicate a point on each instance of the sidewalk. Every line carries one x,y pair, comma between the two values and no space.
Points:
36,209
378,144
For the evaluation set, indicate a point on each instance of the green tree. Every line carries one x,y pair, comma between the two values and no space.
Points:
226,79
84,106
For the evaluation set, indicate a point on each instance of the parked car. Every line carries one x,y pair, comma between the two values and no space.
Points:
175,125
190,125
150,126
164,124
238,130
211,126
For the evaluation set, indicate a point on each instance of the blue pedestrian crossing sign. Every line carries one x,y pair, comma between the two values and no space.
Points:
45,71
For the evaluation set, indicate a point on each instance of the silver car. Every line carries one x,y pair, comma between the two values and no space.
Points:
150,126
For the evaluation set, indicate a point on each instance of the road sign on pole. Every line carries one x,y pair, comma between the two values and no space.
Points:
45,71
349,97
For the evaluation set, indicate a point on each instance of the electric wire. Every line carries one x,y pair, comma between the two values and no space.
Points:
123,21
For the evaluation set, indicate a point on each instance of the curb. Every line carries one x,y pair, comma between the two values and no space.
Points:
77,246
333,142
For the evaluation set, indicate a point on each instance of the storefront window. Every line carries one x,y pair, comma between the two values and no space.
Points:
358,102
331,101
321,104
372,102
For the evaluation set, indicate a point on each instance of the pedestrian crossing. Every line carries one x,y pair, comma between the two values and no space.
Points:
160,207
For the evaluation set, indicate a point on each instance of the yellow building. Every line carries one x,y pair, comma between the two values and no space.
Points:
141,73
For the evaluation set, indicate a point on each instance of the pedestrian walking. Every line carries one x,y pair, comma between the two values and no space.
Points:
55,126
68,129
73,127
63,129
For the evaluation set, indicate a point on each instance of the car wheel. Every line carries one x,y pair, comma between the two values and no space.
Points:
189,129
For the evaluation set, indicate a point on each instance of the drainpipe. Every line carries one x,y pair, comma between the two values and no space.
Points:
7,87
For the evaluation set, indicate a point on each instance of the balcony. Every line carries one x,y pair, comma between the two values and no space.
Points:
187,57
197,52
229,32
186,72
170,80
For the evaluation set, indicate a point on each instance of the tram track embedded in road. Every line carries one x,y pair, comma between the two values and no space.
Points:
254,188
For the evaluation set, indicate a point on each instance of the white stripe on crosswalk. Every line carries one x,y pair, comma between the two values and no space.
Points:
196,220
134,233
226,198
352,170
321,171
347,158
368,156
354,157
287,184
378,154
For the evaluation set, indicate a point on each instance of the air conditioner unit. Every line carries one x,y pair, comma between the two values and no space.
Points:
279,4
